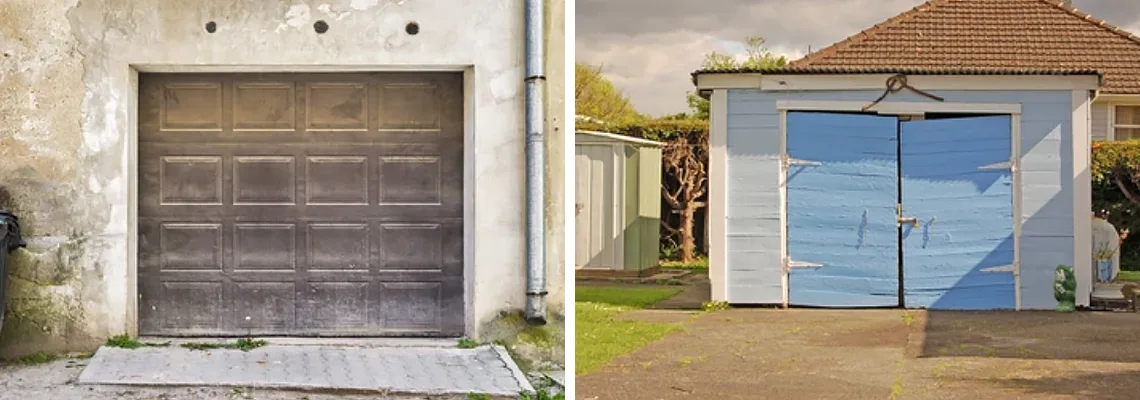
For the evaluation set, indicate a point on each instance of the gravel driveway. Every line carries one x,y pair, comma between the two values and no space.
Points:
881,354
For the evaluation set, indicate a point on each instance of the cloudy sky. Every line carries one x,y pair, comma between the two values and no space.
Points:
649,47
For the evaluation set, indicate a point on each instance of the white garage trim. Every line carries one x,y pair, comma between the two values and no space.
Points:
811,82
1082,196
785,260
899,108
718,194
1018,219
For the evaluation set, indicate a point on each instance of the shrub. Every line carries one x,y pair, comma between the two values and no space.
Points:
1110,201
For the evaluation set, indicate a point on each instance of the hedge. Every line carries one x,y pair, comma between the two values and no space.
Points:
1108,199
657,130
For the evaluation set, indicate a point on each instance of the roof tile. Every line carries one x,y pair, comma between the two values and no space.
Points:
993,37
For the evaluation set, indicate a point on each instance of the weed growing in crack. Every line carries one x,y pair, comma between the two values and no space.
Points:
710,306
466,343
243,344
127,342
478,396
541,395
37,358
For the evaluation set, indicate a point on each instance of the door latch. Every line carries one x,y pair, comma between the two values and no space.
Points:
913,221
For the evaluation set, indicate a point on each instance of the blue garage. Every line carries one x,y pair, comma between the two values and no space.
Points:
948,189
939,159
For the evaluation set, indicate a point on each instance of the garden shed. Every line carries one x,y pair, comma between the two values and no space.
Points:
618,189
937,160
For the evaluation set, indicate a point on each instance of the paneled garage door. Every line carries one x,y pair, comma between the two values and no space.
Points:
301,204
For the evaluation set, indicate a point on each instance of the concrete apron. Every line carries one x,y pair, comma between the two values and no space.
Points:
428,370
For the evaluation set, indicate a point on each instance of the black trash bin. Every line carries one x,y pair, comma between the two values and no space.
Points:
10,239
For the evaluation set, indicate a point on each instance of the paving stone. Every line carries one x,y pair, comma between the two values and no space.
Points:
427,371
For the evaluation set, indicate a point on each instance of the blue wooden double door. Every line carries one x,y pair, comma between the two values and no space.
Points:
884,212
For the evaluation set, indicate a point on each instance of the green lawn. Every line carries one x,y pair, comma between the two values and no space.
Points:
1128,276
701,265
599,338
624,297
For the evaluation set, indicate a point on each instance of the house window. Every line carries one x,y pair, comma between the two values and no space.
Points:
1127,123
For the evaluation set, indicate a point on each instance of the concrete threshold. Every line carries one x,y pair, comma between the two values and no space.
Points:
315,341
412,370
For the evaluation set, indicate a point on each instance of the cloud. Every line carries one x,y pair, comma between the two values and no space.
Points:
649,47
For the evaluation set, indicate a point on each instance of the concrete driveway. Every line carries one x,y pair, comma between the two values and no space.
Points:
879,354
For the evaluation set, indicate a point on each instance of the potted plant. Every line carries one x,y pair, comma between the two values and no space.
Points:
1065,289
1103,256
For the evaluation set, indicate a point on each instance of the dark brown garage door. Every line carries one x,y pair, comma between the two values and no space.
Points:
301,204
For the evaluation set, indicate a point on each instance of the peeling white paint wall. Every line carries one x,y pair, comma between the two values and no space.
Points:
67,95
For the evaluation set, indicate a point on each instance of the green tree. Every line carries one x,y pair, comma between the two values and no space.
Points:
757,57
596,97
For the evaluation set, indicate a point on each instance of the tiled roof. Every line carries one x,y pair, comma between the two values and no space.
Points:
822,70
989,37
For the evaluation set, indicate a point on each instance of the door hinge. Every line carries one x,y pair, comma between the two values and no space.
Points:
1000,268
789,161
802,264
1001,166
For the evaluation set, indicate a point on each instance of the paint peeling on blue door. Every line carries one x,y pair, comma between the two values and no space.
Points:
842,188
957,183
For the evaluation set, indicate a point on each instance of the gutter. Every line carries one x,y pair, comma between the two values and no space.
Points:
535,136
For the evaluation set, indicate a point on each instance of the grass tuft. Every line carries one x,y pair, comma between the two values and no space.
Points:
700,265
714,306
243,344
126,342
37,358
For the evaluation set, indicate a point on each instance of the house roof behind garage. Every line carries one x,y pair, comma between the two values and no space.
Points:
983,37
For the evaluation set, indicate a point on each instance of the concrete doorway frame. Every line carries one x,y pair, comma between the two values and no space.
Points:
132,167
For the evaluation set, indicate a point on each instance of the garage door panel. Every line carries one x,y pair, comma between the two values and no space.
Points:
335,106
194,304
264,180
841,191
336,180
423,314
434,307
191,106
264,305
265,247
334,306
264,105
956,182
301,203
338,247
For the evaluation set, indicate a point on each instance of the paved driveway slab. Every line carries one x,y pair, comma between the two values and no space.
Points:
430,371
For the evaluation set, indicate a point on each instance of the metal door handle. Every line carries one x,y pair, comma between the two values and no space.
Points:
904,220
908,220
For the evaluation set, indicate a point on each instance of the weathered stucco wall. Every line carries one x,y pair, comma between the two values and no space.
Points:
67,98
557,141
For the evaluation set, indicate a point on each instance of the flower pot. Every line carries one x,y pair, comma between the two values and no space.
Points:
1104,271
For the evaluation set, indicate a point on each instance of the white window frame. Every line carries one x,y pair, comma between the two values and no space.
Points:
1112,125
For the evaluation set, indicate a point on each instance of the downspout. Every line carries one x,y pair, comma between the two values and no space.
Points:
535,229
